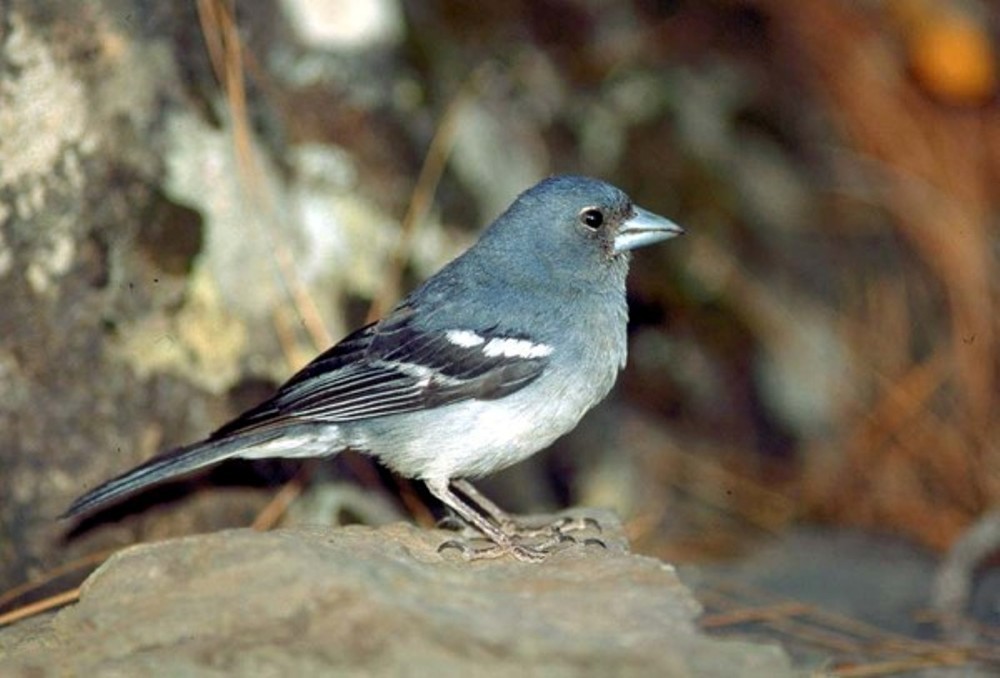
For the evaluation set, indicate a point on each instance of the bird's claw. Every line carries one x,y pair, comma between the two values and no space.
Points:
462,547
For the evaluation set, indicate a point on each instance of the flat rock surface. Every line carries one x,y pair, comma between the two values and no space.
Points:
359,600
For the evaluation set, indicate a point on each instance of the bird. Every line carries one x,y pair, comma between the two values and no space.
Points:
487,362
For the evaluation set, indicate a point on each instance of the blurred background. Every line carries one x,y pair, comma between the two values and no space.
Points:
198,197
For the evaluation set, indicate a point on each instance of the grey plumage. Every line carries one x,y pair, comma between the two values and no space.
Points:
490,360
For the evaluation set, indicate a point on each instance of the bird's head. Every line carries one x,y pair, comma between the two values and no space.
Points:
575,228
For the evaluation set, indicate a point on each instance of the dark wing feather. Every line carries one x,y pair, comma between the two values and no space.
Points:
391,367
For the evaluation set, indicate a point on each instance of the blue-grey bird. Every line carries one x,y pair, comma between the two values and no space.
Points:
486,363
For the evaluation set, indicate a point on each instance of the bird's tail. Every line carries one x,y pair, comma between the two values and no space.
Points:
184,460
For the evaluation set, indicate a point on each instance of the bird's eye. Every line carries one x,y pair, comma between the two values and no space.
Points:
592,218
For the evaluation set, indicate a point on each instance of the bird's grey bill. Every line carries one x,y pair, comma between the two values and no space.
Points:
644,228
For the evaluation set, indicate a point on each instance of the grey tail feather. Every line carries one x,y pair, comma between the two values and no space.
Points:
177,462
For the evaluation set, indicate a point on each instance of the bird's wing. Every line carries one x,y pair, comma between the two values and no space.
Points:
393,366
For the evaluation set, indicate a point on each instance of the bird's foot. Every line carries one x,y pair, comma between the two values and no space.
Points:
532,549
523,529
557,529
488,550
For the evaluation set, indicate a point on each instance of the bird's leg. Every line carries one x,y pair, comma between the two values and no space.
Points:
503,519
512,525
503,542
508,523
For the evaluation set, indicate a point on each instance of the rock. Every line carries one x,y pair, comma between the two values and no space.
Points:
317,601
